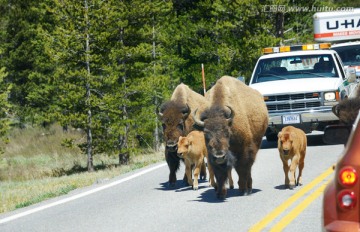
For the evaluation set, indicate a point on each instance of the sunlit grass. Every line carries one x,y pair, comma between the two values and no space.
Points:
36,167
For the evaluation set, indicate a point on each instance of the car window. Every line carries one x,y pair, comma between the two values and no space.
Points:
350,55
295,67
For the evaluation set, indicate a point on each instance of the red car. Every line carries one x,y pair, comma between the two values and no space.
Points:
341,202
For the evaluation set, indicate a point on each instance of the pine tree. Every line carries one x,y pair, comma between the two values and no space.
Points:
4,105
29,71
78,50
138,76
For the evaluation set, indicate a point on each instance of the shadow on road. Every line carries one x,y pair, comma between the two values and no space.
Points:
180,186
282,187
209,195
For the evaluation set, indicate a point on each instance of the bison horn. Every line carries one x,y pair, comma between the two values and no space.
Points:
231,116
186,111
158,112
335,110
196,120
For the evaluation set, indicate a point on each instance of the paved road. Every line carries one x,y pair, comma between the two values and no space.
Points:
141,201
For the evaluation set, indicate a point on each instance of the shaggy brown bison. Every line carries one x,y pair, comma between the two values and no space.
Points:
292,144
233,124
348,109
192,149
174,116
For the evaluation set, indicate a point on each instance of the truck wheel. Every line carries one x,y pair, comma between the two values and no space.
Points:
271,137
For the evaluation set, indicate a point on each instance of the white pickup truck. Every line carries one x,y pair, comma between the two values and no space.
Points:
300,85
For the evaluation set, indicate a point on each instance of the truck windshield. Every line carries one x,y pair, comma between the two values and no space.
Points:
295,67
350,55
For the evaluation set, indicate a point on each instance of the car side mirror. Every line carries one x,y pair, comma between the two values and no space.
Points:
350,74
336,134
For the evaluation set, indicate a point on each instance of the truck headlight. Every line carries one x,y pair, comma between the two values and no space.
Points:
330,96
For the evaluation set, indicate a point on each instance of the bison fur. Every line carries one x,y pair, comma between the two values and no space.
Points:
233,124
174,116
192,149
292,144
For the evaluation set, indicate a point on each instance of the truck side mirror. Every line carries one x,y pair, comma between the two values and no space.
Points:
350,74
242,79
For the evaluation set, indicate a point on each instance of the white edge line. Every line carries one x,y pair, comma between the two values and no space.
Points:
31,211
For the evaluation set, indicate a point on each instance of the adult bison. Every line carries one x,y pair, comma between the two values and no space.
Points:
174,116
234,125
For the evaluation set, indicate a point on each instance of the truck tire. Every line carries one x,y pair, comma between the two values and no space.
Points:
271,137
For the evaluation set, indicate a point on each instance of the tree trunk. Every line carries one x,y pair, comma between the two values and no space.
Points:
156,132
279,24
90,164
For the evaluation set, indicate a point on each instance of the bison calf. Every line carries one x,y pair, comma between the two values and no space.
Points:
193,150
292,144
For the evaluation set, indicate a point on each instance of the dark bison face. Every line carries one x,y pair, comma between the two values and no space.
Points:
347,110
173,117
216,123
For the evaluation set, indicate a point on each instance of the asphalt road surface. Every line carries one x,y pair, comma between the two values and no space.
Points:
141,201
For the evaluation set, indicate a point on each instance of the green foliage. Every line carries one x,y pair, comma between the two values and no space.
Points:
4,107
105,66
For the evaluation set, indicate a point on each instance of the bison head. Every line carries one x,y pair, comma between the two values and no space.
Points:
183,146
173,116
216,123
347,110
285,141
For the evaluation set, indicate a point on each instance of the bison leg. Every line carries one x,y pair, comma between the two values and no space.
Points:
203,171
211,174
301,167
245,180
198,167
231,181
173,162
286,172
249,183
185,179
221,189
221,177
188,172
293,165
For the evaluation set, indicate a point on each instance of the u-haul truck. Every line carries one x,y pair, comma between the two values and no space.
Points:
337,25
342,28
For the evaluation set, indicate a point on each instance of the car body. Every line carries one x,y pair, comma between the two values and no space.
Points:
350,54
341,201
297,88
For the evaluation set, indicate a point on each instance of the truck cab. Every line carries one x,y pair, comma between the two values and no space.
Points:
300,85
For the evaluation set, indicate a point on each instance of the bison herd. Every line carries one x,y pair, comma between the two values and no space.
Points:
226,126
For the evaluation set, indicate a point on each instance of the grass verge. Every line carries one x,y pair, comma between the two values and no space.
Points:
18,194
35,167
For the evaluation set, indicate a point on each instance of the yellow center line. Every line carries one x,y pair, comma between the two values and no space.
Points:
298,209
281,208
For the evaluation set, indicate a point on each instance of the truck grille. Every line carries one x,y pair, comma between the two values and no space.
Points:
296,102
